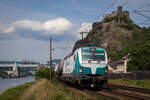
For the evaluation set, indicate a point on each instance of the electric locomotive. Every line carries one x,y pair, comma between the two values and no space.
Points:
86,66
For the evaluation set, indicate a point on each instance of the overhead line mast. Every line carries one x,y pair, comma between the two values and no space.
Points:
81,33
50,60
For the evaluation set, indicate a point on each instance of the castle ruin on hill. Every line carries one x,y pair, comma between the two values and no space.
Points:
116,17
117,13
108,33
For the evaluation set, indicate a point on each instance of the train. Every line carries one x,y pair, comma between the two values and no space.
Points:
86,67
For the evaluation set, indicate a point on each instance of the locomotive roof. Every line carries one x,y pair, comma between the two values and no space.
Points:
97,48
86,48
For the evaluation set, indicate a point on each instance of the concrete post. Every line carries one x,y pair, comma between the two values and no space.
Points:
15,70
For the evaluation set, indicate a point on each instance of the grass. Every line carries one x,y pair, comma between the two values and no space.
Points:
43,89
46,90
14,93
136,83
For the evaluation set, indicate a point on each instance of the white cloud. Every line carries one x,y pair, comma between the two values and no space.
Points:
28,24
85,27
55,26
6,28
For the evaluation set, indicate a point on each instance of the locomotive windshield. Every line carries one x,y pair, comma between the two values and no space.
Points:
93,55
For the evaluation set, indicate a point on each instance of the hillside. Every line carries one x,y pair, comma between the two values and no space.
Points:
113,33
116,33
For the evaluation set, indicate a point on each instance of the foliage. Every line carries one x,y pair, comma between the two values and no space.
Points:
139,52
116,18
44,73
124,18
116,55
140,57
137,83
137,47
108,19
127,26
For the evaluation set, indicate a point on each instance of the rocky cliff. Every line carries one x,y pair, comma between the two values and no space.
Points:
113,33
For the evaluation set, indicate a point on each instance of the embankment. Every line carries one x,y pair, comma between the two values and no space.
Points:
42,89
128,82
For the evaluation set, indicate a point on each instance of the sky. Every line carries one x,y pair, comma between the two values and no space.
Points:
27,25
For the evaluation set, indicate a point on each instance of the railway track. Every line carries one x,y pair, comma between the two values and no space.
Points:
114,92
125,92
143,90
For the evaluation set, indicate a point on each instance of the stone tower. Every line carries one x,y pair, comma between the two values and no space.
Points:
119,10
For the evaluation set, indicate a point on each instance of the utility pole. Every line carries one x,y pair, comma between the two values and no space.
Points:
50,60
81,33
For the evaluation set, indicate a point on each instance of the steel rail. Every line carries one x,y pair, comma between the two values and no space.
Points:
125,94
143,90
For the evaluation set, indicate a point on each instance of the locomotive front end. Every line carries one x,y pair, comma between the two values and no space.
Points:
92,65
94,58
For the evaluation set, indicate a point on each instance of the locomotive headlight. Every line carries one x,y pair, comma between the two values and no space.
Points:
106,69
80,69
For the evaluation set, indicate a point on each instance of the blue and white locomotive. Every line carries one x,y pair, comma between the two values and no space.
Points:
85,66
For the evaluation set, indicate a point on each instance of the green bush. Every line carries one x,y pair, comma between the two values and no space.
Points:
116,18
108,19
44,73
139,57
115,55
127,26
139,51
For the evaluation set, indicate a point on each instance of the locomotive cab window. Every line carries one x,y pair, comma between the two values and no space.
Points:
93,55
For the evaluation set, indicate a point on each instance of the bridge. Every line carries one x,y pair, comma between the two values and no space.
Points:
17,69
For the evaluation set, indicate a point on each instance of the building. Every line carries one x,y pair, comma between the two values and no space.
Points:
118,66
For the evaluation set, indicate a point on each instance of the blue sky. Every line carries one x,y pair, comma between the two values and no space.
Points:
26,25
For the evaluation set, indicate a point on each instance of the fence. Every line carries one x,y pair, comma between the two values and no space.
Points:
140,75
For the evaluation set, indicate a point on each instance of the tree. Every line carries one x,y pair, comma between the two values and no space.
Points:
44,73
139,52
